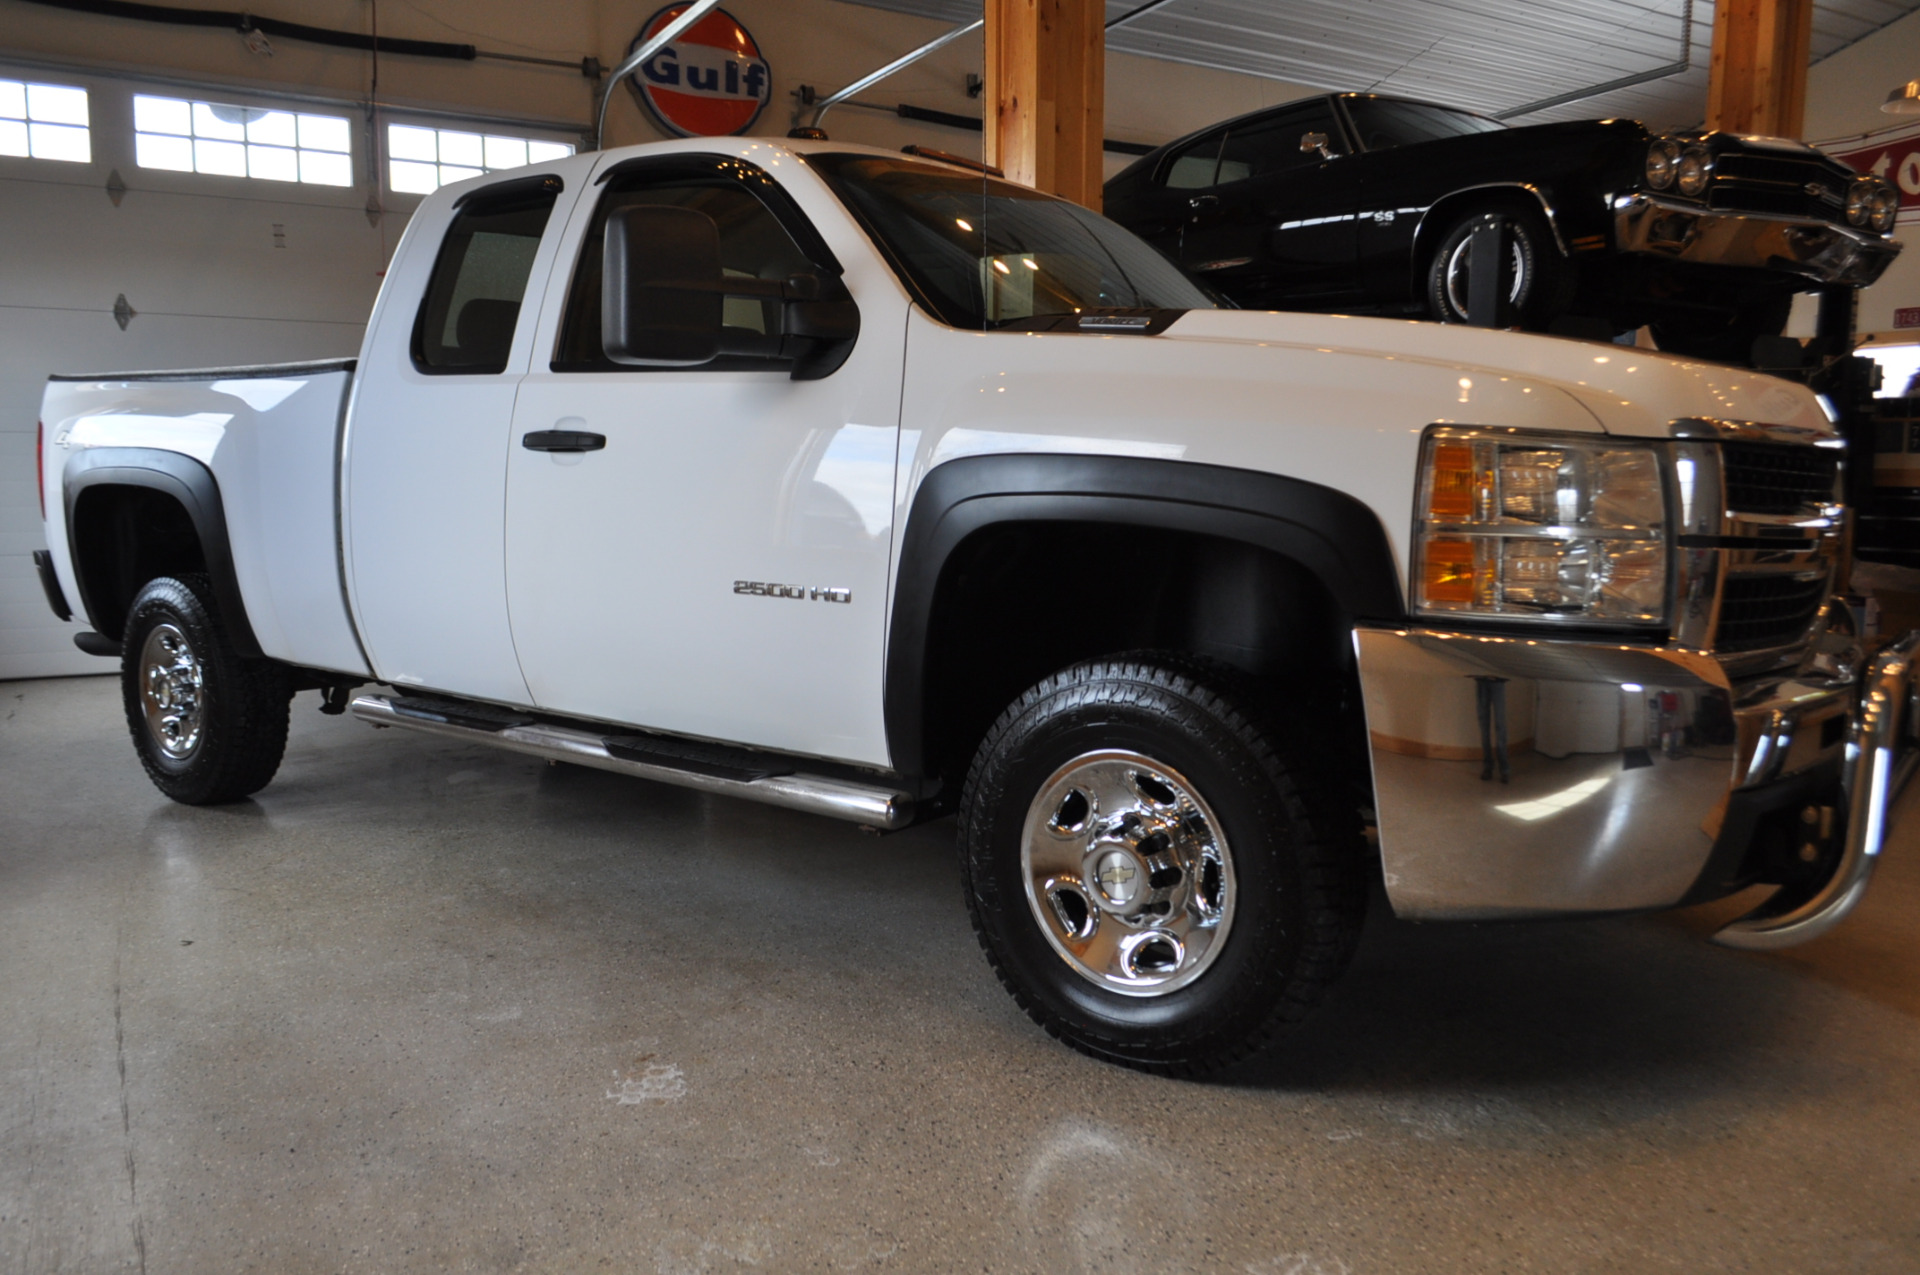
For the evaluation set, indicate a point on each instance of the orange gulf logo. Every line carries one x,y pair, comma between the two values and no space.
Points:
709,82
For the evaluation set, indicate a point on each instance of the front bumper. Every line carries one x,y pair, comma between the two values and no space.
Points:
1522,777
1819,251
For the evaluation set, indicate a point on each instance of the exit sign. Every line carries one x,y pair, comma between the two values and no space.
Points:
1907,318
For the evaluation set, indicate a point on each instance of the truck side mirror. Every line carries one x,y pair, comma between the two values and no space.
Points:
661,302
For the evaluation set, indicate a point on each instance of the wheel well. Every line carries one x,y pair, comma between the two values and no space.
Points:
124,536
1017,601
1446,212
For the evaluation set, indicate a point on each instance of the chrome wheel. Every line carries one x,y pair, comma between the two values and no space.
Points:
1459,276
1127,873
172,691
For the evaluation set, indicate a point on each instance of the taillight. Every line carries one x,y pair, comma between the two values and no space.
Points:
40,465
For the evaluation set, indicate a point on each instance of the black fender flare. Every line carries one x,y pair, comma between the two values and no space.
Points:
1334,536
191,484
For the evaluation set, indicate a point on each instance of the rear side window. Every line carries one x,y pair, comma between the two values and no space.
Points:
1193,167
472,305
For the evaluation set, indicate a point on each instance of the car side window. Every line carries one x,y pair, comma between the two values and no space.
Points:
472,305
1193,168
753,245
1272,145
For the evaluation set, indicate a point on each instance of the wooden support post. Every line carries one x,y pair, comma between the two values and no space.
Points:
1046,94
1757,82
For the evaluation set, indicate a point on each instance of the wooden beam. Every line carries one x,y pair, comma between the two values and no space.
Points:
1757,81
1046,94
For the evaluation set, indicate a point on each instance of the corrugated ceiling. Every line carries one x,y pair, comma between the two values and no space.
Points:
1487,55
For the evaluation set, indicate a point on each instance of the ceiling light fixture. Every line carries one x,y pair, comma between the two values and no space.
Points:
1904,100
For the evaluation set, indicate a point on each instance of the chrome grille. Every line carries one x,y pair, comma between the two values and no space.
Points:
1767,479
1762,611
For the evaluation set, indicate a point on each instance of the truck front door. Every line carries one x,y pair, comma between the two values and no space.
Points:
716,563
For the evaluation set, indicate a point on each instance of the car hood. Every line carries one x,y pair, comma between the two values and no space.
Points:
1628,391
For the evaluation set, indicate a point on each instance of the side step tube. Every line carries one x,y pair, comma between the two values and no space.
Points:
873,806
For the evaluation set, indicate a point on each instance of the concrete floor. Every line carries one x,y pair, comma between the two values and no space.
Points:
426,1007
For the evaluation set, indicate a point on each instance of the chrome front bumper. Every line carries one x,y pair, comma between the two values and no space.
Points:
1629,779
1820,251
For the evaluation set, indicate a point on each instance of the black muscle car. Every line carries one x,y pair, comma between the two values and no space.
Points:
1369,204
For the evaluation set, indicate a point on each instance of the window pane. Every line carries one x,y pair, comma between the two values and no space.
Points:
326,133
324,168
412,143
13,137
162,115
13,99
472,305
59,141
274,163
506,152
154,150
448,173
228,159
275,128
53,104
410,178
462,149
206,123
542,152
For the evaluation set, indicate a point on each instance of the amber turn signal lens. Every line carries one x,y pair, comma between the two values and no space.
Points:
1450,495
1447,573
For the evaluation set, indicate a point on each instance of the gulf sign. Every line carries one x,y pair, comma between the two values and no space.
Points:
710,82
1894,155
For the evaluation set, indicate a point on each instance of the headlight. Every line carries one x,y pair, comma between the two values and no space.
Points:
1662,157
1691,173
1514,524
1883,207
1859,199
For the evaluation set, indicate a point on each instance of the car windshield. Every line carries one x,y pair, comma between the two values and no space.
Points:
1383,123
983,253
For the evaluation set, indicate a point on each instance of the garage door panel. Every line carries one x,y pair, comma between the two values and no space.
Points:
70,248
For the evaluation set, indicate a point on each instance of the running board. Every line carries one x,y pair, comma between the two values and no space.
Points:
666,761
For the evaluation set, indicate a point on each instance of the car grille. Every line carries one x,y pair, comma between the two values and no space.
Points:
1762,611
1766,479
1777,184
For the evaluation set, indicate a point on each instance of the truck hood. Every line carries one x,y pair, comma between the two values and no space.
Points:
1628,391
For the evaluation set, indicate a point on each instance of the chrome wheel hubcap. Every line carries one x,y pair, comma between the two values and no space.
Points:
172,691
1460,274
1127,873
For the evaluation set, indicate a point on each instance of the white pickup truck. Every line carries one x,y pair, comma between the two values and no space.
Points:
870,486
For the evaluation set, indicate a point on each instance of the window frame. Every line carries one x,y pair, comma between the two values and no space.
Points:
27,121
513,188
193,99
483,130
756,181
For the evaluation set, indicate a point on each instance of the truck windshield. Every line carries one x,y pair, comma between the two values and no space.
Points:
983,253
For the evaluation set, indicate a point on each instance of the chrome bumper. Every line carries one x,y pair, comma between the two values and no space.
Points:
1539,777
1819,251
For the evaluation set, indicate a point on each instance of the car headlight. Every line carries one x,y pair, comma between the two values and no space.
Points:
1693,170
1859,200
1662,158
1517,524
1882,207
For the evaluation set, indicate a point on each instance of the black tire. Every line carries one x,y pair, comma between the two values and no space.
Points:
209,726
1294,865
1724,336
1542,278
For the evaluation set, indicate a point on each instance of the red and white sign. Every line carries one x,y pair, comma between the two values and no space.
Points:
1894,155
1907,317
710,82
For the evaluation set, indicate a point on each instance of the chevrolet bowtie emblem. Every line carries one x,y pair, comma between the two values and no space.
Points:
1116,874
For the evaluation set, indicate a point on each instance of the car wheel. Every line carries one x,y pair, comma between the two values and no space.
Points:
1157,879
209,726
1538,292
1725,336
